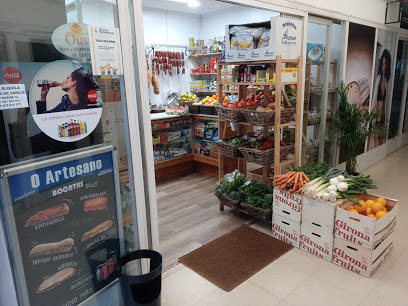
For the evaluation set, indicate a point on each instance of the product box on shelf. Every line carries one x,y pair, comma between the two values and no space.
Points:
288,75
285,230
287,205
359,259
362,230
264,40
316,234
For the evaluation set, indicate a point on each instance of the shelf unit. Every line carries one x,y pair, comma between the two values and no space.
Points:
279,86
317,91
206,54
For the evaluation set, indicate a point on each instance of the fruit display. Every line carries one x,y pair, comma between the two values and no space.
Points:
213,100
187,98
253,100
370,208
263,143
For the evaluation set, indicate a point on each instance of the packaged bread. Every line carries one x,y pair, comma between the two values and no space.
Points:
264,40
47,249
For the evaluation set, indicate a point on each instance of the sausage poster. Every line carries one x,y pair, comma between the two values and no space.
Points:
66,223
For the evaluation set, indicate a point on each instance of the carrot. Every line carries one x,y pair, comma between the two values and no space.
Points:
305,177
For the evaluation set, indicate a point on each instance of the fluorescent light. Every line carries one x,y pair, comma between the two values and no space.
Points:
193,3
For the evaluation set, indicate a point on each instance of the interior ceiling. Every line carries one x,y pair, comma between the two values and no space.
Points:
207,6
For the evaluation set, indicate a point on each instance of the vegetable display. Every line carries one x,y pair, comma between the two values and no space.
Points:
293,180
230,184
256,194
313,171
338,184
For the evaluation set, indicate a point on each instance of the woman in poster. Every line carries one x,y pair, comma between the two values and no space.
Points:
380,92
77,85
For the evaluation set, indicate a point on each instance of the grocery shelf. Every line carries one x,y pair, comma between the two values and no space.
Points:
204,73
213,91
206,159
173,141
173,161
287,124
171,127
206,54
252,63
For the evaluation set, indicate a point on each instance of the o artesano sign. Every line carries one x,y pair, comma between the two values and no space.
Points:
12,75
72,39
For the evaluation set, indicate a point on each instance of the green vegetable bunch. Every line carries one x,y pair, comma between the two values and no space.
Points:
313,171
230,184
256,194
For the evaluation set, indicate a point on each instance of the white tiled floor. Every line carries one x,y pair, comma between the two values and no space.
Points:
299,278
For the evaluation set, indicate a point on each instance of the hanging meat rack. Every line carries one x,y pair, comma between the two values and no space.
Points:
168,59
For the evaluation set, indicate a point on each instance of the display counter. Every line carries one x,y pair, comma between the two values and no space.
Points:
185,144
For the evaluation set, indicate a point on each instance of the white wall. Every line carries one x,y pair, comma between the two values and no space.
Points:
213,24
166,27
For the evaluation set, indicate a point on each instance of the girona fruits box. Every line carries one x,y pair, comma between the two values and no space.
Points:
359,259
287,205
286,230
362,230
316,231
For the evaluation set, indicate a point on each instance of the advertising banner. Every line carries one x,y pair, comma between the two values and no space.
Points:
63,226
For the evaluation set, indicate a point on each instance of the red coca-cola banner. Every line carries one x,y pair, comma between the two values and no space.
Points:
12,75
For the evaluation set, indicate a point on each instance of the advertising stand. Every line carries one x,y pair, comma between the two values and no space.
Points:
63,225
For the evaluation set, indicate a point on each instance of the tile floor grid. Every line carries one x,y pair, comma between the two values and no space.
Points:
299,278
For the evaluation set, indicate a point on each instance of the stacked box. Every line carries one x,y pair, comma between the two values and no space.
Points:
316,234
362,244
286,218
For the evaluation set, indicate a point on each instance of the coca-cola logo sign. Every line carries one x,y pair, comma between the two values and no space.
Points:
92,95
72,39
12,75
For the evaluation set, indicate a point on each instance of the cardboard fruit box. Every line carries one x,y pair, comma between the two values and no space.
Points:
316,232
286,230
359,259
285,38
362,230
287,205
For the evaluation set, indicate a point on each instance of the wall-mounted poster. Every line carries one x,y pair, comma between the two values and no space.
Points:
359,64
72,39
63,226
65,101
383,75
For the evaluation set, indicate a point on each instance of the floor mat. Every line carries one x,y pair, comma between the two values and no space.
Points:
234,257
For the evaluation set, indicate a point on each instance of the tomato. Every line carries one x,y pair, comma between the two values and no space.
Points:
248,104
225,104
231,105
240,105
254,103
267,145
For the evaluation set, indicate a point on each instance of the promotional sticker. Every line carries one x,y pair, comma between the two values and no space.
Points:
65,101
72,39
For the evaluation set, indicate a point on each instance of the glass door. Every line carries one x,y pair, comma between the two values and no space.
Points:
318,69
63,95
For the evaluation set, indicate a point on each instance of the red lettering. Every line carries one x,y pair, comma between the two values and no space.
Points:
70,39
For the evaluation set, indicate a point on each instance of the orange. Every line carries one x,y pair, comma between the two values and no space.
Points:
350,207
369,211
385,209
382,201
377,206
361,209
380,214
354,211
371,216
370,203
